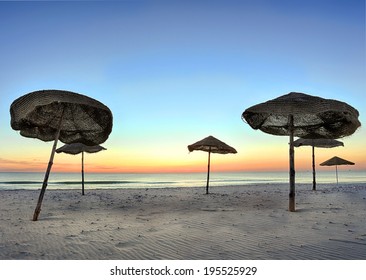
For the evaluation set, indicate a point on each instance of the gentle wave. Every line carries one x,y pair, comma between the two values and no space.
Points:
166,180
92,182
19,183
85,182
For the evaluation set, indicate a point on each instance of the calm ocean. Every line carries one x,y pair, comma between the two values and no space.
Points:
12,181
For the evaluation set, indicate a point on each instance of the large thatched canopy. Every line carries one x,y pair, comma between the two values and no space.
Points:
313,117
84,119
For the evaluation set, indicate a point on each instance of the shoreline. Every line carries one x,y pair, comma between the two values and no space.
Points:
157,180
232,222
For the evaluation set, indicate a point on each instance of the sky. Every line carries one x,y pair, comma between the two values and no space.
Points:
175,72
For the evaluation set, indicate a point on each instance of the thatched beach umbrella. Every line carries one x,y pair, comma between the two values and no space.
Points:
319,143
302,115
336,161
211,145
50,115
77,148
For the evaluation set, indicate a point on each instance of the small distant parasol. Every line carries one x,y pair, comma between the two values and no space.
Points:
211,145
77,148
336,161
319,143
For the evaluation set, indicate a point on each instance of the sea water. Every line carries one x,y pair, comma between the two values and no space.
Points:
31,180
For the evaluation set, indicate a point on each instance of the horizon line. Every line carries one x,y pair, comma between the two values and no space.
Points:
172,172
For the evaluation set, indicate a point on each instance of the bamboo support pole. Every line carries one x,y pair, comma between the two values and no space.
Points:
292,165
208,169
45,181
82,172
313,156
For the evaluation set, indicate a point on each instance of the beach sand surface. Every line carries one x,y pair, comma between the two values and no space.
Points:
242,222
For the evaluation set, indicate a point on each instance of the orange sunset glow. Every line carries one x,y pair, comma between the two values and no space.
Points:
272,157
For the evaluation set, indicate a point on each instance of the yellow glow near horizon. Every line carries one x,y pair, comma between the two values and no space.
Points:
29,155
110,163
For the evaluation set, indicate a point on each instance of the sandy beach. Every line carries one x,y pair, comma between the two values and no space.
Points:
246,222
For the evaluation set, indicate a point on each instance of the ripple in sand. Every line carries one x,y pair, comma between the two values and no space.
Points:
125,244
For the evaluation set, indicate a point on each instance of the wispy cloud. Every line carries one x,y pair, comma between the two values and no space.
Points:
20,165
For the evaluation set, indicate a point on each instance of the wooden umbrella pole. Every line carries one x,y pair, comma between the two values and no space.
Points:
208,169
314,182
45,181
337,173
82,172
292,165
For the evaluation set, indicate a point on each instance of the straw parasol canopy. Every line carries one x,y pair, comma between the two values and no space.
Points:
77,148
50,115
211,145
313,117
319,143
39,113
336,161
302,115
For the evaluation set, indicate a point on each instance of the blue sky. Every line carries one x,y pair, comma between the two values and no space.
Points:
174,72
